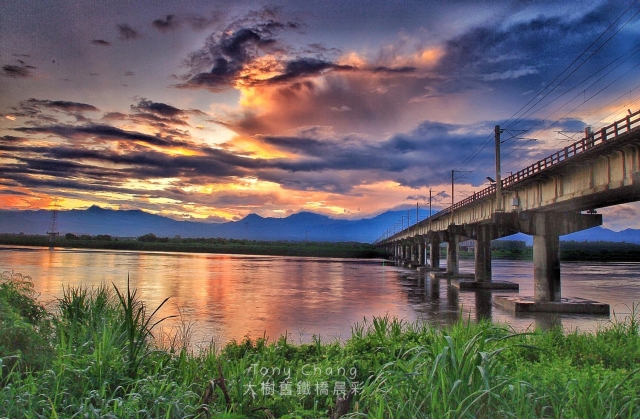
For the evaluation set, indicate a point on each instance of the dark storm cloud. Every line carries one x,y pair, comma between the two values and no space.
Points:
12,139
33,182
68,167
13,192
97,131
144,163
304,67
226,53
36,110
17,71
531,51
419,158
51,167
101,42
127,32
394,70
59,105
158,108
169,23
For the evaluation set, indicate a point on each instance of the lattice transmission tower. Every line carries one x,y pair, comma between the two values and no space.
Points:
53,228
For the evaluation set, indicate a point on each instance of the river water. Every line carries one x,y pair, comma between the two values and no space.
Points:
232,296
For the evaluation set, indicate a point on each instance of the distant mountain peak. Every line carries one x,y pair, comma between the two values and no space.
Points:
252,216
308,215
95,208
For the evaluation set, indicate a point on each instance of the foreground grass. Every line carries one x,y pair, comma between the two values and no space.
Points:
94,355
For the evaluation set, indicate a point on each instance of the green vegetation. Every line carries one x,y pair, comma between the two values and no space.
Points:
599,251
505,249
149,242
500,249
98,355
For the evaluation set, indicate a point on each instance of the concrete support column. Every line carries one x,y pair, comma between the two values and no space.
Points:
412,249
483,254
453,266
434,252
546,267
421,252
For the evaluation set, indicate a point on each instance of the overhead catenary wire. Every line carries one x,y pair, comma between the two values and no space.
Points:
579,105
570,65
629,54
528,112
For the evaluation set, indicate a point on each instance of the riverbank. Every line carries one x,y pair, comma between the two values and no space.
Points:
97,354
500,249
150,242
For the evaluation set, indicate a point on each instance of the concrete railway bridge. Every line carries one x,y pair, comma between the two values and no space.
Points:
555,196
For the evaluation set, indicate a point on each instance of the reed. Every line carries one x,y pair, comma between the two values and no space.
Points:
137,327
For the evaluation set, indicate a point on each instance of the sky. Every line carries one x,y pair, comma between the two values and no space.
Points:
210,111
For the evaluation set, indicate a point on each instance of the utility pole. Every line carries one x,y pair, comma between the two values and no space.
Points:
498,131
452,201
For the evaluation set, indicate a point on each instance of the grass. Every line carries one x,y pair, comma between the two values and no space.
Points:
97,354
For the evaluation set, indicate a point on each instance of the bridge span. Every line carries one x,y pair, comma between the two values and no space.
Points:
555,196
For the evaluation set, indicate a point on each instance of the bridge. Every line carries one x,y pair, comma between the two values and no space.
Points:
555,196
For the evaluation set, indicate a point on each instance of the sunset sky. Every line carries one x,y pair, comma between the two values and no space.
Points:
212,110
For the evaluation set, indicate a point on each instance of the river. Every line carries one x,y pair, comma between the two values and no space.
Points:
232,296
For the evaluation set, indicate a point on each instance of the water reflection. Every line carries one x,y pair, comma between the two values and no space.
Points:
483,304
232,296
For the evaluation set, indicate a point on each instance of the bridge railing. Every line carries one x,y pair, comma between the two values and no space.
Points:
593,140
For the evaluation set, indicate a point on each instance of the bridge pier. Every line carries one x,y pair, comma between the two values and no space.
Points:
483,254
482,234
546,267
546,229
453,264
434,251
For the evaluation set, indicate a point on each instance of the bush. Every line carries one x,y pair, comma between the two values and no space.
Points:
25,326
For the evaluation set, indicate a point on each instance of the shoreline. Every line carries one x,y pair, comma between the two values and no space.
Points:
570,251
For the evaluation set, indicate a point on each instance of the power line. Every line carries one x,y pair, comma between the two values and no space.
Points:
570,65
553,87
629,54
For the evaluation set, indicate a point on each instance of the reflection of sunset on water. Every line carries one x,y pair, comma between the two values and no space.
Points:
233,296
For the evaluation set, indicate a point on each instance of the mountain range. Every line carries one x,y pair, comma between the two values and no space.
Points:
299,226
